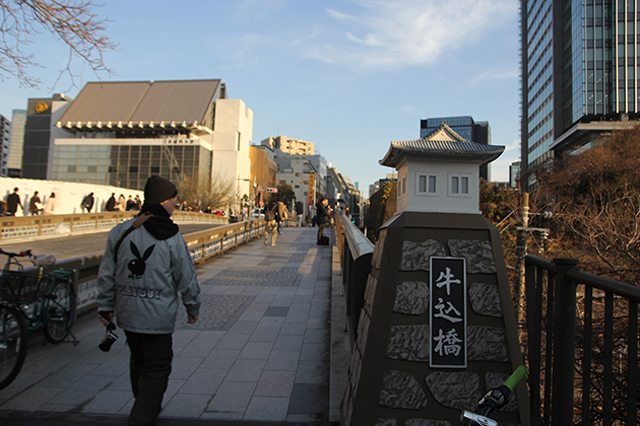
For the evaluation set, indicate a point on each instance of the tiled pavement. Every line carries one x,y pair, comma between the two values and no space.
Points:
259,352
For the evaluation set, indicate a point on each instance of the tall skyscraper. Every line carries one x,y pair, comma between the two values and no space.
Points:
5,138
14,163
579,75
465,126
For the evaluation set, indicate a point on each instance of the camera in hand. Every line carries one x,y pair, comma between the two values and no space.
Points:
110,337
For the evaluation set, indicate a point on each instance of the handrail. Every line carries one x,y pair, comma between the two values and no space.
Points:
605,284
202,245
12,227
358,243
565,322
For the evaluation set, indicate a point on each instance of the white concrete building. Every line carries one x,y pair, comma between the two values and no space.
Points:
298,171
233,130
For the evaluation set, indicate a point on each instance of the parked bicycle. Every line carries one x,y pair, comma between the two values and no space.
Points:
31,300
492,401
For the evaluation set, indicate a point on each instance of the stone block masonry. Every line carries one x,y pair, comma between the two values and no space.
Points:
390,381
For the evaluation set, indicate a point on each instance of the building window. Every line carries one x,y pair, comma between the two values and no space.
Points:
458,185
426,184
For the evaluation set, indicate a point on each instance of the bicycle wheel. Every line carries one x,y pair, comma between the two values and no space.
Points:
58,312
13,343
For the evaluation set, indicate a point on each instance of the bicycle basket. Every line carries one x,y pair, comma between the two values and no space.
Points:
19,286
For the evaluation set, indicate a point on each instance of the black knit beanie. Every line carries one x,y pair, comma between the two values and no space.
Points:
158,190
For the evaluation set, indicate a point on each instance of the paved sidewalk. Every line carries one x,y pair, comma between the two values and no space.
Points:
259,352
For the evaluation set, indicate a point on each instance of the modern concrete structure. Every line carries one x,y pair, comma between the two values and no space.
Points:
5,140
18,123
120,133
579,74
465,126
289,145
232,133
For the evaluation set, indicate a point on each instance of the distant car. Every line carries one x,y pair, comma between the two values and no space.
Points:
257,213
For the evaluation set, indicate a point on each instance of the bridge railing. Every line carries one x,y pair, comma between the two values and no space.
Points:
356,251
14,227
202,245
582,340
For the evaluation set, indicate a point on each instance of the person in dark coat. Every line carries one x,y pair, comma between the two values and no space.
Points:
111,203
35,204
323,216
13,201
87,203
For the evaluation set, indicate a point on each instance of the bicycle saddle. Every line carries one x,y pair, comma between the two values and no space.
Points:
44,260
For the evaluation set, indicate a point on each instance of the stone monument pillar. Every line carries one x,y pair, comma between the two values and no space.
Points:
437,329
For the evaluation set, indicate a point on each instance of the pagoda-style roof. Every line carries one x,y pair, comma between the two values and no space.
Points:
442,142
179,105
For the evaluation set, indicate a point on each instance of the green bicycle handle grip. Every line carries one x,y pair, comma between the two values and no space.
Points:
515,378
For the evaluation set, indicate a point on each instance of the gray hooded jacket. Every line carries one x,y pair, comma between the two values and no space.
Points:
142,287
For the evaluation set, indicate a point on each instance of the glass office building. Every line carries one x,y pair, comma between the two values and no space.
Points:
578,74
128,163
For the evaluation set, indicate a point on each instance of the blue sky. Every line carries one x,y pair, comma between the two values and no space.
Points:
350,76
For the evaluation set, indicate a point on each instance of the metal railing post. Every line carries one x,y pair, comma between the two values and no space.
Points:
565,338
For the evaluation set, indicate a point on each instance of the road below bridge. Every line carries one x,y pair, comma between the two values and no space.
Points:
71,246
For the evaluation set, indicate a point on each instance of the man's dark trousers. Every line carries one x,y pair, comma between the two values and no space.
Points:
150,367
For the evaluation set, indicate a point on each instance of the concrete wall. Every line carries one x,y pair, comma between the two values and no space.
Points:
69,195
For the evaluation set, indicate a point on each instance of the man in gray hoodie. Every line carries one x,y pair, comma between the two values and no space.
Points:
144,267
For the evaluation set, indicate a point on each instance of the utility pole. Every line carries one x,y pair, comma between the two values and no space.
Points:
521,252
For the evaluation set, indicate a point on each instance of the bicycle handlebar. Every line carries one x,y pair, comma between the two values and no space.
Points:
493,400
23,253
515,377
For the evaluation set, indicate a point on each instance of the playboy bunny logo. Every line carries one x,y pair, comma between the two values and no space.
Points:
137,266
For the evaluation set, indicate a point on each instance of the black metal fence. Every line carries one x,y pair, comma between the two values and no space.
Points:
582,346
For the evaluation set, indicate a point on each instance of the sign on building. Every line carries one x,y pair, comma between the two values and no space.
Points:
312,186
448,313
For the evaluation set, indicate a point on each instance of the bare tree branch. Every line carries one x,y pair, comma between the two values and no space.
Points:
71,21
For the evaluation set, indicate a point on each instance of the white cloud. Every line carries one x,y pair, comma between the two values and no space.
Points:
407,32
496,75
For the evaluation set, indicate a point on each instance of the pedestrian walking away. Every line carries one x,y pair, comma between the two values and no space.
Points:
271,217
299,213
282,213
13,201
145,265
